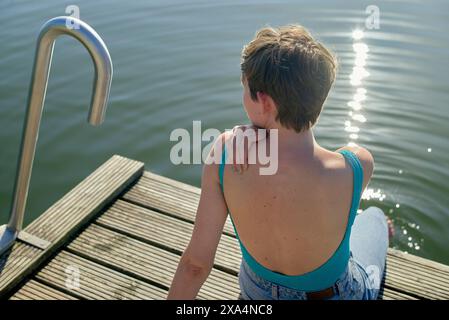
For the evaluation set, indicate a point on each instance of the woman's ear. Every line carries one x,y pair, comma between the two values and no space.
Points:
267,102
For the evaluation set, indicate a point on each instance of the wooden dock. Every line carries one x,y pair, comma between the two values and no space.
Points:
119,234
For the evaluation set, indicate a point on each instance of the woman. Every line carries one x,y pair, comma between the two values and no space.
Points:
298,229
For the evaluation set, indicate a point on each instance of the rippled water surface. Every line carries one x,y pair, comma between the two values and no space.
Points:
178,61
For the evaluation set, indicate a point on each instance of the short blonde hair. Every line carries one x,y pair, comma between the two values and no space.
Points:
294,69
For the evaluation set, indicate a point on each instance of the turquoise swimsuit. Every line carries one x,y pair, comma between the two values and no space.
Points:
324,276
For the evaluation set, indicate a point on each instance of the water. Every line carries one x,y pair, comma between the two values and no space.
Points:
178,61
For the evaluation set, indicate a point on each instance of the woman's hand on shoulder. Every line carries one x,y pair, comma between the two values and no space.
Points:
242,139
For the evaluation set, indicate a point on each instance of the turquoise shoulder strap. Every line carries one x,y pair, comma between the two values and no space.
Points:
222,166
357,181
221,175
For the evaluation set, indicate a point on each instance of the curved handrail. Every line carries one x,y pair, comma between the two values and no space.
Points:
36,97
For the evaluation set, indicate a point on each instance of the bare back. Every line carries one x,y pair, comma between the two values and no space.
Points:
292,222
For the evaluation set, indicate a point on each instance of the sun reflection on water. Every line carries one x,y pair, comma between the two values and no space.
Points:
356,117
408,233
359,72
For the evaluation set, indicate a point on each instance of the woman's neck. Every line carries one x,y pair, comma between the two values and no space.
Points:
289,140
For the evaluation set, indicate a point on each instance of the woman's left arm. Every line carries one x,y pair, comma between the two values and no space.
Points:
198,258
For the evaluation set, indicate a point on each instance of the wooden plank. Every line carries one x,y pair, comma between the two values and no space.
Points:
34,290
148,175
165,231
169,196
418,262
407,273
145,262
95,281
389,294
438,279
67,216
438,276
405,280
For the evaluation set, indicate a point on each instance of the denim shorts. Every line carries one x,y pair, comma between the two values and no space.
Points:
360,281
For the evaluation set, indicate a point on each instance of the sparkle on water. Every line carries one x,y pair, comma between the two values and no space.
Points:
357,34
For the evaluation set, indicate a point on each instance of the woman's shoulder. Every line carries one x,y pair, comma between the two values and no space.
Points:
366,160
365,157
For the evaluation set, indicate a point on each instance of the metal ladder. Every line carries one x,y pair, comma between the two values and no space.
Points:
36,97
